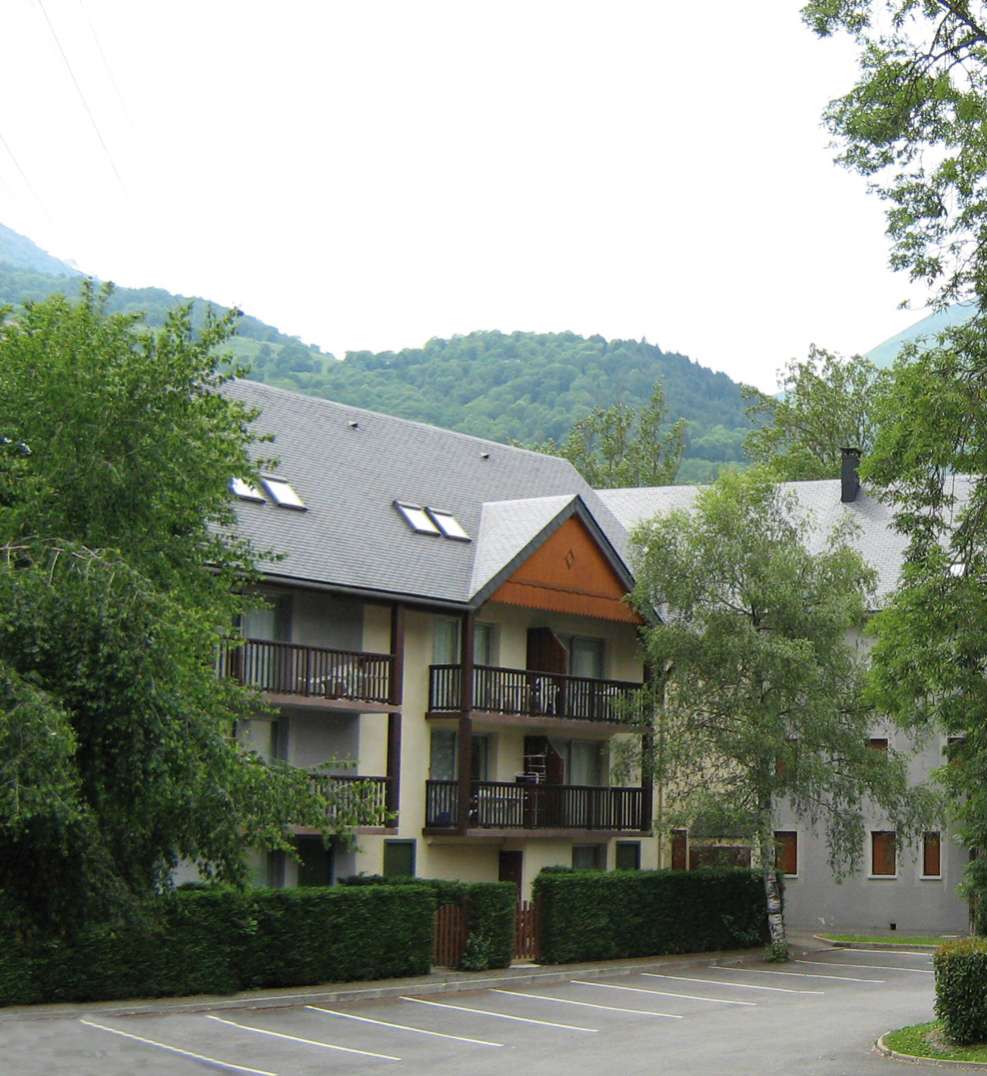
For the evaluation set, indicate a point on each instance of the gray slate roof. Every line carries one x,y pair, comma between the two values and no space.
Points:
878,543
352,536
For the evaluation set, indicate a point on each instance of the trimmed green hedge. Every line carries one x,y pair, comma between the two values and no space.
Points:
592,915
217,941
490,908
961,996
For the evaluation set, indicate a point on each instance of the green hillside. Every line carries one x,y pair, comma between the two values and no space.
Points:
524,387
884,354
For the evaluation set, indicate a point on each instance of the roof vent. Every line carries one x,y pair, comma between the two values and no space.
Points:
849,479
484,455
353,424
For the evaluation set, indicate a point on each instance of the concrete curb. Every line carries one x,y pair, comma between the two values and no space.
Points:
879,946
453,983
883,1048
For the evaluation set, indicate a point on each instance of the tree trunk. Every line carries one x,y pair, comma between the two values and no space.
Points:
772,894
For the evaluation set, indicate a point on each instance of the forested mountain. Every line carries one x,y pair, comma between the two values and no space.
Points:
520,386
884,354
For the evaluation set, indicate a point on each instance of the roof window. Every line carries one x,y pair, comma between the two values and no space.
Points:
282,493
448,524
245,491
417,518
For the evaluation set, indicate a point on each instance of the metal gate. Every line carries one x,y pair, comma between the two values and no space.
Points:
526,933
449,936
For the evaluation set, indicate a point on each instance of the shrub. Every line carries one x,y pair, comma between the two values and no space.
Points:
490,908
592,915
961,1000
218,940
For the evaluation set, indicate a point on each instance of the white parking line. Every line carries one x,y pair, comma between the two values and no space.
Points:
501,1015
660,993
401,1027
296,1038
227,1065
798,974
876,967
719,982
883,952
587,1004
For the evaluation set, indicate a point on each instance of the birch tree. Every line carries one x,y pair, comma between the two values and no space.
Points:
764,680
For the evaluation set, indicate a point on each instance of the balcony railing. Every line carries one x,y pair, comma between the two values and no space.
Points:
309,671
521,691
504,805
359,801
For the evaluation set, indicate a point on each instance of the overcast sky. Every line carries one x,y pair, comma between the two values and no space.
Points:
370,174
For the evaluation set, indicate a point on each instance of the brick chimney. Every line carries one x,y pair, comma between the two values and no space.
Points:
849,480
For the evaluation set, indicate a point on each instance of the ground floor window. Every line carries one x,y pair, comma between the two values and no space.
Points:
628,855
883,855
931,856
787,852
589,857
276,862
315,861
399,858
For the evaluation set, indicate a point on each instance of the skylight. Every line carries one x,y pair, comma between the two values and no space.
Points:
448,524
245,491
417,518
281,493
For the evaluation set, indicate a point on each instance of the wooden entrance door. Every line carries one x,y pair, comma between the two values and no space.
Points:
511,869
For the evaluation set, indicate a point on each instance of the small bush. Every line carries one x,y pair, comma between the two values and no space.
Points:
476,955
593,915
961,997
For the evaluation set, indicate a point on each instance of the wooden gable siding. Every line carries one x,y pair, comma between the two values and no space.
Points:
569,574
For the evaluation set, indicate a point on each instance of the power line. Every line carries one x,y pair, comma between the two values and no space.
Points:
106,63
23,175
82,96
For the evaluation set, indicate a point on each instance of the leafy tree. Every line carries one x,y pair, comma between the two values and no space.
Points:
764,687
825,404
931,649
914,123
618,446
117,572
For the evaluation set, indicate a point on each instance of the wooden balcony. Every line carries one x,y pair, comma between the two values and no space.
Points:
525,693
310,672
360,801
503,805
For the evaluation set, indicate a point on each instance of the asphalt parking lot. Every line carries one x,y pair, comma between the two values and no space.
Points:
820,1014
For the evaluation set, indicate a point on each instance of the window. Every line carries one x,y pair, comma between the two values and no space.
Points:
245,491
878,743
628,855
399,859
883,857
585,656
281,493
444,762
315,861
446,648
589,857
417,518
954,745
448,525
787,852
931,856
582,766
276,863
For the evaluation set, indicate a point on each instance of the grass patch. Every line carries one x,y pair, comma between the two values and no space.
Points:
926,1040
892,939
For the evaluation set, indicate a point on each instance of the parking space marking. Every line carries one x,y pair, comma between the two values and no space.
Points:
876,967
401,1027
589,1004
660,993
799,974
297,1038
501,1015
739,986
227,1066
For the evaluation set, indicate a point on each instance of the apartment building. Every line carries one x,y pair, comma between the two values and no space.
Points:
447,637
897,887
